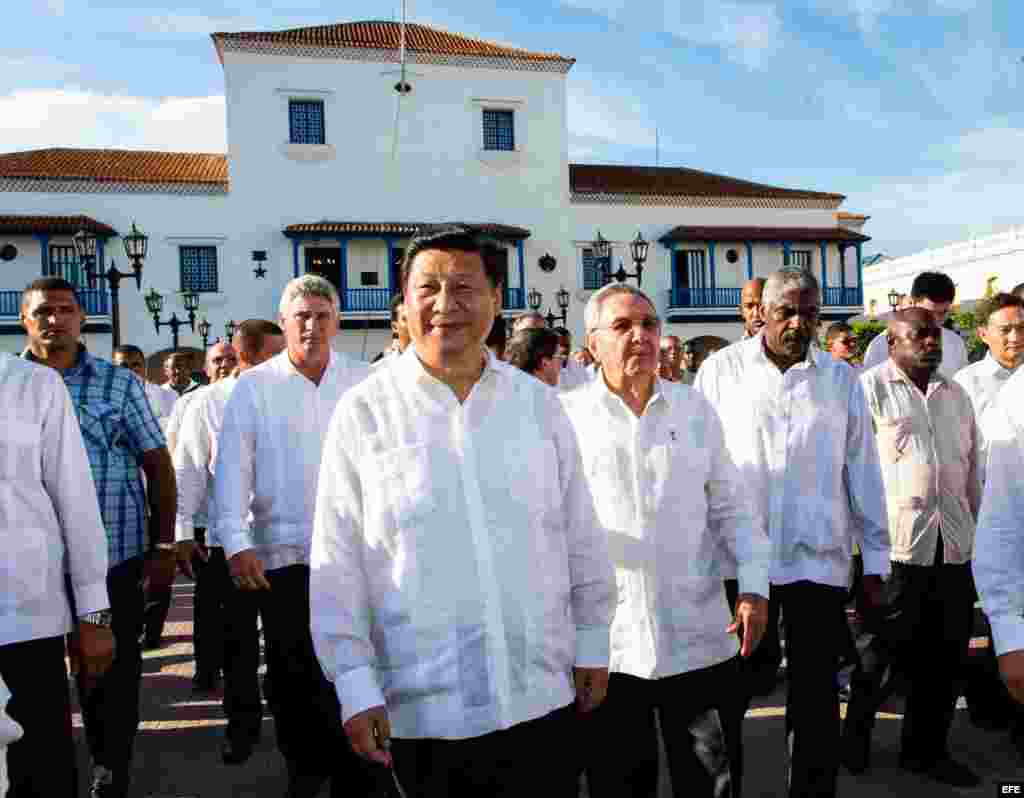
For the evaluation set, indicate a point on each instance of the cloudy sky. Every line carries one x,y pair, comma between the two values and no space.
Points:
912,108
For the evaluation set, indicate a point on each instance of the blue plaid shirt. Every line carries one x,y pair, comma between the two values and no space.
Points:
118,426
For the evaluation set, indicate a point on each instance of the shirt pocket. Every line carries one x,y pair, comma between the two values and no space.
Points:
893,436
20,449
24,567
403,485
101,425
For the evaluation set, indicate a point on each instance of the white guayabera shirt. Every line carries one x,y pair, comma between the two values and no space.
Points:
195,456
458,571
999,544
806,452
161,399
669,496
49,514
983,381
268,457
954,353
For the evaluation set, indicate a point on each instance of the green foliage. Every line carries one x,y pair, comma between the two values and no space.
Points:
864,332
968,322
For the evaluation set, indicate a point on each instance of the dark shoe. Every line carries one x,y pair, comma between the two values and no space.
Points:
944,771
107,783
205,682
237,751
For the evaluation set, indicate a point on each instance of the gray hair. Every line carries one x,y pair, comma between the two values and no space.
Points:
592,312
781,281
308,285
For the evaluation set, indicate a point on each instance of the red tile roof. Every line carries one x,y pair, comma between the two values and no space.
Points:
378,35
675,181
687,233
65,225
116,166
502,231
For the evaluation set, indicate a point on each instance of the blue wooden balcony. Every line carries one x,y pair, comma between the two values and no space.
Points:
94,301
378,300
366,300
729,298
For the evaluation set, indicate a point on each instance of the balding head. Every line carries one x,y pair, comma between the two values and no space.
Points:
220,361
750,304
915,342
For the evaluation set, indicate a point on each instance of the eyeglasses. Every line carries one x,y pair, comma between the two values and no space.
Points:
648,324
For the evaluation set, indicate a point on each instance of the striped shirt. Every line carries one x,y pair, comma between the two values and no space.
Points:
118,427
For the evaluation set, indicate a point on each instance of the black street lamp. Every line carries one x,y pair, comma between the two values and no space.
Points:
136,244
894,299
229,330
602,254
155,303
534,298
204,332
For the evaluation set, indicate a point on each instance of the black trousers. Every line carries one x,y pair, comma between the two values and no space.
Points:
242,703
111,709
922,635
622,742
307,714
525,760
42,763
756,676
213,586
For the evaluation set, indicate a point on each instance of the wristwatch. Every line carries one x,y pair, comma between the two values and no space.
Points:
101,618
160,548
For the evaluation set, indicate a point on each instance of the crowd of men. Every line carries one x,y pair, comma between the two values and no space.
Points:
486,564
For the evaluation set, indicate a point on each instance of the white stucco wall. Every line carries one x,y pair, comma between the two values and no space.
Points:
971,264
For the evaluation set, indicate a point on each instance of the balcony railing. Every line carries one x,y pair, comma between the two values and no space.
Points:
843,296
835,296
705,298
94,301
377,300
366,300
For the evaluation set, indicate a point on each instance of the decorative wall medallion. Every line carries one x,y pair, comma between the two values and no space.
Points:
732,256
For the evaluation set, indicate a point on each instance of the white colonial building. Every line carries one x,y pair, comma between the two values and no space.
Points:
979,267
330,169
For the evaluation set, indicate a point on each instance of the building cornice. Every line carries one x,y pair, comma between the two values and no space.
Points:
388,56
676,201
73,186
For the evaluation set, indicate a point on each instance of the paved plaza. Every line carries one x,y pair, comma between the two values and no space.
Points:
177,754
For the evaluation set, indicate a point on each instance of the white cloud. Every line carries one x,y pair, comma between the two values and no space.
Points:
607,115
978,193
747,32
53,7
78,118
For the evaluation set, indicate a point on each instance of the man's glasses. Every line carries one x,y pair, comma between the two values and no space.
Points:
622,326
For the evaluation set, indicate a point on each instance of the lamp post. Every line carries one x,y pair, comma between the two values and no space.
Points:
136,245
638,248
229,330
894,299
155,303
534,298
204,332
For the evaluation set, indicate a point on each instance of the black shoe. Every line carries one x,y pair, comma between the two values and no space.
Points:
237,751
205,682
944,771
107,783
